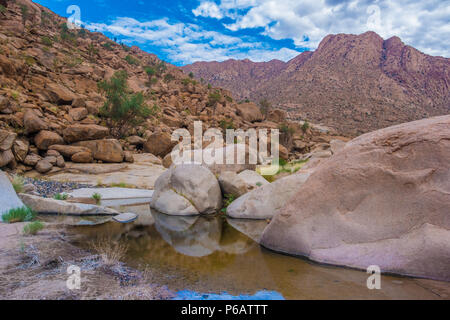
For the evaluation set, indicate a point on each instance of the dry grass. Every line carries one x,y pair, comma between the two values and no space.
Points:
111,252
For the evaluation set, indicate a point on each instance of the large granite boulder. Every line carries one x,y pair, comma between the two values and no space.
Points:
187,189
382,200
159,143
8,197
33,123
45,139
249,112
266,201
239,184
82,132
106,150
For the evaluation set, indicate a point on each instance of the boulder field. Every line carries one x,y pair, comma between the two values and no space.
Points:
384,200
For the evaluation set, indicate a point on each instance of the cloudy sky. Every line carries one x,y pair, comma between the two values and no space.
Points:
185,31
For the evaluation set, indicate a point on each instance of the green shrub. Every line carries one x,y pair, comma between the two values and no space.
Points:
25,13
169,77
229,198
214,98
97,197
19,215
132,60
122,110
2,8
305,126
18,183
265,106
33,228
59,196
226,124
150,71
46,41
107,46
191,75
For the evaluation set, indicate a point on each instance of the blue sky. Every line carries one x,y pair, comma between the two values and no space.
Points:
183,32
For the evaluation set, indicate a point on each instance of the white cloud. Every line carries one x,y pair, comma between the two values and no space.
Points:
208,9
187,43
422,24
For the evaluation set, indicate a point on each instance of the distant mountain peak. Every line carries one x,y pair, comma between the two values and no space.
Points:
356,83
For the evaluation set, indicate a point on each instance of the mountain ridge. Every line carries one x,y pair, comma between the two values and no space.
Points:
356,83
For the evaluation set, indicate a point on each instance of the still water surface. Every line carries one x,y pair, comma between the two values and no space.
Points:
201,256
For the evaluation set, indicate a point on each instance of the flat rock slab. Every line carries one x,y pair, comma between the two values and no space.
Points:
8,197
141,175
125,217
51,206
113,193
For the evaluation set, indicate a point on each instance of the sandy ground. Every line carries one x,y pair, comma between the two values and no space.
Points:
35,267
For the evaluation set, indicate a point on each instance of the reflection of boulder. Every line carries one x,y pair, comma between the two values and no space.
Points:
251,228
234,242
174,223
198,240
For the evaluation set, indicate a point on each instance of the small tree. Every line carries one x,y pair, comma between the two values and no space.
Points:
265,106
123,110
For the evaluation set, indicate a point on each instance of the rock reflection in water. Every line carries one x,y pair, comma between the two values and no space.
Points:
214,255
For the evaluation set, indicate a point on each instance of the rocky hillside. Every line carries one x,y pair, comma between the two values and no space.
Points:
356,83
51,104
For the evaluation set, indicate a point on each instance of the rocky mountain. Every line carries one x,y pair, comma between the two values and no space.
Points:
355,83
51,104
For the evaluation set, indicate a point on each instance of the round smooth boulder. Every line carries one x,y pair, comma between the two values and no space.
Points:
382,200
187,189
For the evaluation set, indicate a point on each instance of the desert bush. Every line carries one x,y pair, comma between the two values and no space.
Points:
97,197
2,8
132,60
226,124
122,110
107,46
61,196
18,215
214,98
46,41
18,183
191,75
229,198
305,126
265,106
111,252
33,228
169,77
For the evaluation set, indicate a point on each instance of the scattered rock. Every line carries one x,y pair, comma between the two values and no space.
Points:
107,150
125,217
32,159
159,144
6,157
59,94
6,140
33,123
82,132
78,114
45,139
232,184
43,166
82,157
68,151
